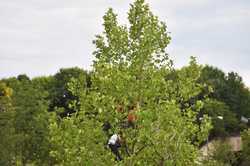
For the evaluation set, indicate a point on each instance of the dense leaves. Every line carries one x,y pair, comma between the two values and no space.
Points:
129,72
245,159
230,99
6,125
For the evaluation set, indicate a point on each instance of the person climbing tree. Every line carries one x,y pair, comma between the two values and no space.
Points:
114,144
132,116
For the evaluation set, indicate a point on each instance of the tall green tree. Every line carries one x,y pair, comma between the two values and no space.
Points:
230,94
129,90
130,67
238,96
30,123
228,88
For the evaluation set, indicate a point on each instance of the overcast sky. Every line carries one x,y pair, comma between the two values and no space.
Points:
38,37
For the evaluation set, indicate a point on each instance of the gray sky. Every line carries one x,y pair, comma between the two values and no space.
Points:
37,37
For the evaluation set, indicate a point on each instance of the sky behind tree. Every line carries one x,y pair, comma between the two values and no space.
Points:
38,37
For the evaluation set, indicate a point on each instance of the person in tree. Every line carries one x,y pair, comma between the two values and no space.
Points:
114,144
132,116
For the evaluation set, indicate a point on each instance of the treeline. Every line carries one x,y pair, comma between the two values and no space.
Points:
28,107
229,98
162,114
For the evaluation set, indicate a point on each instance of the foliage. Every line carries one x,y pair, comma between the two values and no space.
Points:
246,148
228,93
238,96
223,153
74,142
220,155
129,71
60,95
221,127
129,77
31,124
6,125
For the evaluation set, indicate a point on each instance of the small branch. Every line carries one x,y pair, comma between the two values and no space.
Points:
140,149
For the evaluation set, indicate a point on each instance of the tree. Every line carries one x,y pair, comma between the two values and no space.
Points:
129,72
7,136
130,69
238,96
61,97
230,91
30,123
23,77
216,79
5,97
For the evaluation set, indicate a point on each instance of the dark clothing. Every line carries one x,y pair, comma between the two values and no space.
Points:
106,126
114,149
